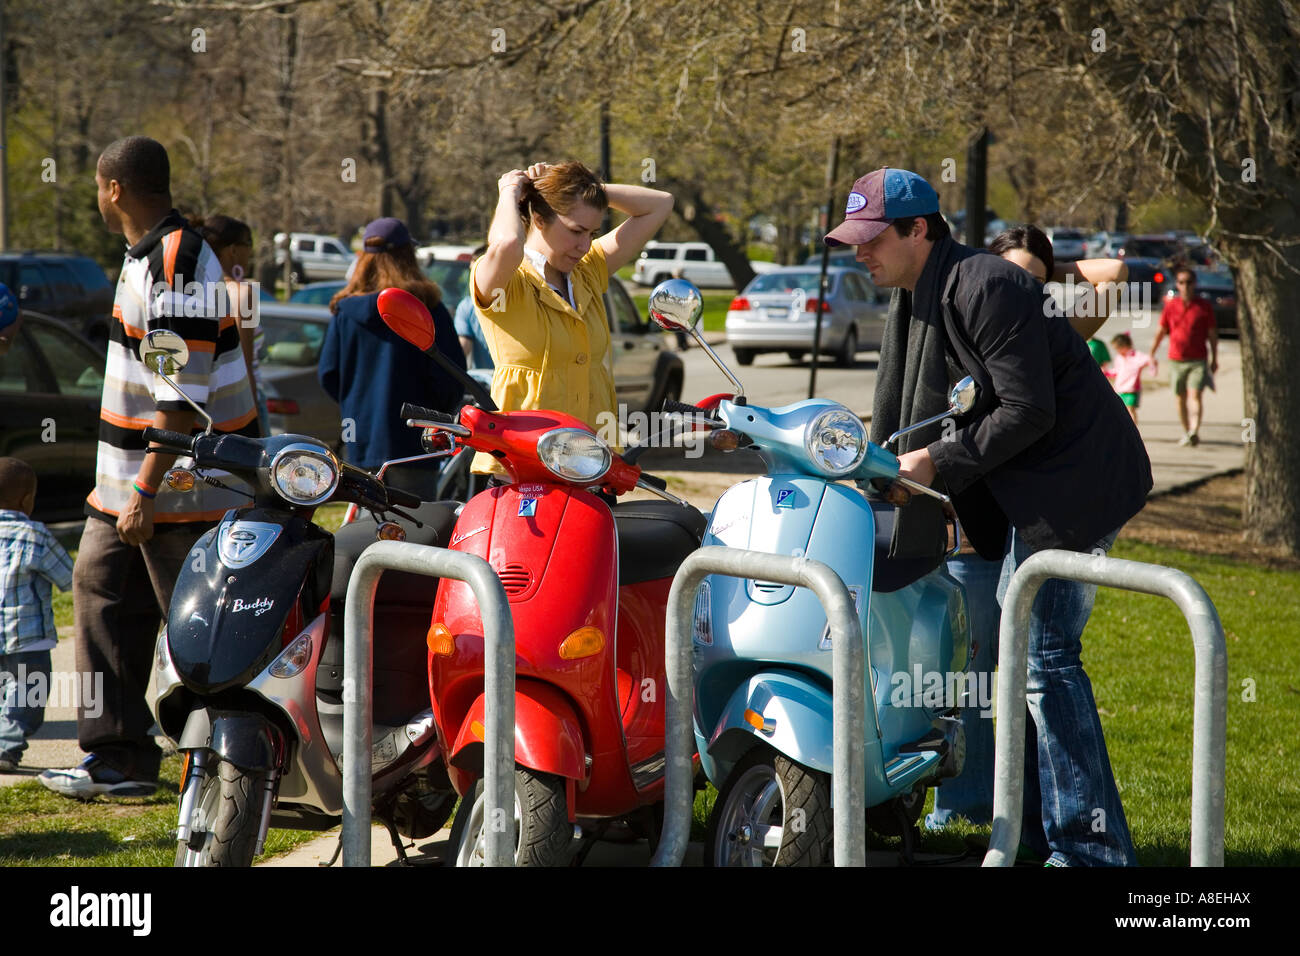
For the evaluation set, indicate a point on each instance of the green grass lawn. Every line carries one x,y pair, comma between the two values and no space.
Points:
40,828
1138,653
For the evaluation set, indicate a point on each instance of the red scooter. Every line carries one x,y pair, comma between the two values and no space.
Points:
587,581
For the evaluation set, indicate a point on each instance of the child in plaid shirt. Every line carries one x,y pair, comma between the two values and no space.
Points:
30,561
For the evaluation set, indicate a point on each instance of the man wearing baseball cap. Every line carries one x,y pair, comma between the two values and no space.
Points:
1048,458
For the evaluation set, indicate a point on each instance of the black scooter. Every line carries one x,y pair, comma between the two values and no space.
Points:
248,672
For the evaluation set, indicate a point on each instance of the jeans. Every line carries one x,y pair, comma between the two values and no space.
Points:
1072,811
970,793
21,711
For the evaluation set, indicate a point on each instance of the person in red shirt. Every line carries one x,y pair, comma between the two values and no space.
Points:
1189,321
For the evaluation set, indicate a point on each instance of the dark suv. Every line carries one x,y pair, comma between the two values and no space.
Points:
63,285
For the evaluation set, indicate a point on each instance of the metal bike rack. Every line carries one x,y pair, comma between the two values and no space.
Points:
358,674
847,673
1210,708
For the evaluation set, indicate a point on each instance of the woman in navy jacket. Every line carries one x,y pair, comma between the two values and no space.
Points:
369,370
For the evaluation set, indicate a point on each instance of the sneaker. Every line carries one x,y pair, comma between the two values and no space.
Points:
8,764
1195,440
1186,441
92,777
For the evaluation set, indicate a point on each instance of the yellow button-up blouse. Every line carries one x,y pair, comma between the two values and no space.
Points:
547,355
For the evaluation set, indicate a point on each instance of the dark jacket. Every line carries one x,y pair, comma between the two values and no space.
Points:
1049,446
370,371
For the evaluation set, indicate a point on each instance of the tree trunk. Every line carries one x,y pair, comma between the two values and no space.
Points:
699,215
1270,349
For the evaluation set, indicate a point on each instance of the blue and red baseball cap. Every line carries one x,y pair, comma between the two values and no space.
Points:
877,199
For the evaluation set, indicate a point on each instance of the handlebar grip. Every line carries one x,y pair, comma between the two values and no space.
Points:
404,498
410,410
683,409
654,481
169,438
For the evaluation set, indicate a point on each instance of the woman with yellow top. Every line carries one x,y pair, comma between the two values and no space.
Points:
537,289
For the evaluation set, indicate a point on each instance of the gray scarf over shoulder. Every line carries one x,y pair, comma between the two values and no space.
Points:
912,384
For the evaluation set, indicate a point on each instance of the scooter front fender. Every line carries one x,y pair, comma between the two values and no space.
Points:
248,740
785,710
548,736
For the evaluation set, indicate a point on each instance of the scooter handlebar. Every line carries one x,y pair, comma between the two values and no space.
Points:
173,440
410,410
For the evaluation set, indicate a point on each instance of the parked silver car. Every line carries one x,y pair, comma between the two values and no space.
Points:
775,313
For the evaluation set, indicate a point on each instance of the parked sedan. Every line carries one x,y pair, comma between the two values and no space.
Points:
51,381
295,401
1217,286
776,313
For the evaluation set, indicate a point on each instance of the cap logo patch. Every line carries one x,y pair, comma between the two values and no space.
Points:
856,202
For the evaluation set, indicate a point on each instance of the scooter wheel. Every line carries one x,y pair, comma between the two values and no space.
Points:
226,818
770,811
543,834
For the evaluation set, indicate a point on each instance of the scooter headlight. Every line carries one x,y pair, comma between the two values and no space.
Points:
836,441
305,474
574,454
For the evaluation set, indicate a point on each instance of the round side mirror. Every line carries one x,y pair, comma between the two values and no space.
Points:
408,317
963,395
676,305
162,350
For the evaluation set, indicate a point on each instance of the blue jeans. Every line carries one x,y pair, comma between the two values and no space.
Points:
20,717
970,793
1072,810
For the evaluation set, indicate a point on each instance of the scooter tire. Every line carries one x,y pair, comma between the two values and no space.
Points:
800,789
544,835
226,819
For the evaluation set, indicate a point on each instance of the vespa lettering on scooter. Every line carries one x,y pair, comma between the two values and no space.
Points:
761,650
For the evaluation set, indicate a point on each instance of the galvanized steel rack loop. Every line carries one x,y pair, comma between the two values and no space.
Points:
499,689
847,673
1209,714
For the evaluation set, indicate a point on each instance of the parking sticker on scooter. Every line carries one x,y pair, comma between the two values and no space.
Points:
785,498
527,507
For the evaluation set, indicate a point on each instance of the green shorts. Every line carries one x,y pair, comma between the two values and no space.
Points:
1191,374
1131,399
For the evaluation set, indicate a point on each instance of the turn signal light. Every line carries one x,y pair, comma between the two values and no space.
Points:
179,479
583,642
754,719
440,640
725,439
390,531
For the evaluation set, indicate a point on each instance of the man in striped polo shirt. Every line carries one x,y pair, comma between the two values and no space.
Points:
138,531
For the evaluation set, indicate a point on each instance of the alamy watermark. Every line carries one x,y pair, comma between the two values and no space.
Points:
1082,299
82,690
939,690
196,299
651,429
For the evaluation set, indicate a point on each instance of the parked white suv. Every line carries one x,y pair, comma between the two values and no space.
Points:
659,260
315,257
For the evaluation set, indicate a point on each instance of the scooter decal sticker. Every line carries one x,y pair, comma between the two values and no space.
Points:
527,507
258,607
785,498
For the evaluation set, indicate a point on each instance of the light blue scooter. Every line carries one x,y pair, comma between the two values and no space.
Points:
762,650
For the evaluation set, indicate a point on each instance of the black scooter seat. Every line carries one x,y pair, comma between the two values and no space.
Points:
654,538
400,587
891,574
